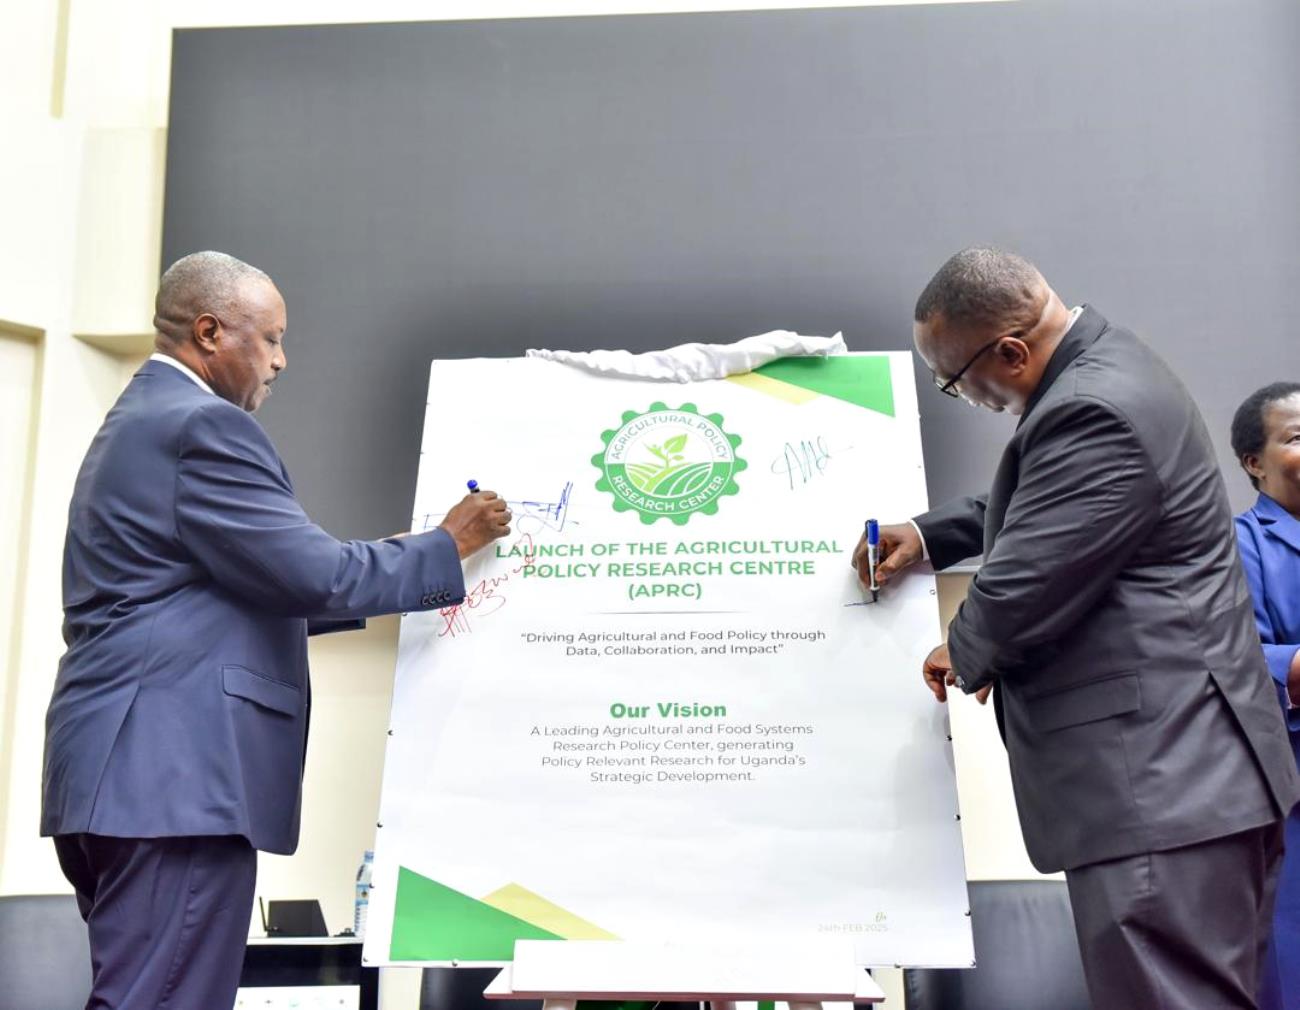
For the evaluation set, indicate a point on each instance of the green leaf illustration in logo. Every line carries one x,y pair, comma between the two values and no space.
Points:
668,463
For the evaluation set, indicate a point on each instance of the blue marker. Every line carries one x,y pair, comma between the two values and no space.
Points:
473,486
873,556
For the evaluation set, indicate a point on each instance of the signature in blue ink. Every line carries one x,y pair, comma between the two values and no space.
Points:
802,461
551,515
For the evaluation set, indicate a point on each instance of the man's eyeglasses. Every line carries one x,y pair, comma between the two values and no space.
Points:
949,386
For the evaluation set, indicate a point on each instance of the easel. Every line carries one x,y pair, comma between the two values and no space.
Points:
560,973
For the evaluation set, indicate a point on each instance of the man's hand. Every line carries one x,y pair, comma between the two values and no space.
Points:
937,671
476,520
899,549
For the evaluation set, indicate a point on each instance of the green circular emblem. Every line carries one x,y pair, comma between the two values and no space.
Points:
667,463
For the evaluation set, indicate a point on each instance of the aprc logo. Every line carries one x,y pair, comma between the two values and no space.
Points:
666,463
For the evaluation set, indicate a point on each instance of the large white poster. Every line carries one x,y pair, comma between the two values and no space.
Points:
664,712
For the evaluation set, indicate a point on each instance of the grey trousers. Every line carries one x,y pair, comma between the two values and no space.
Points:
1184,929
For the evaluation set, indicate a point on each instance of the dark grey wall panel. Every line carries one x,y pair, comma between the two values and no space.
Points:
477,188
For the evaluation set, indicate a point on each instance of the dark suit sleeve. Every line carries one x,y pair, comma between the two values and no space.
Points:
954,531
1086,498
237,515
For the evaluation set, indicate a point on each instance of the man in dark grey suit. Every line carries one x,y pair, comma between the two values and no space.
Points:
191,578
1111,620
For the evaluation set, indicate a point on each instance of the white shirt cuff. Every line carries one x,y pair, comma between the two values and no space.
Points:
925,551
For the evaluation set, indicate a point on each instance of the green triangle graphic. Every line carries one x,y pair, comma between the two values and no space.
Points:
862,380
431,922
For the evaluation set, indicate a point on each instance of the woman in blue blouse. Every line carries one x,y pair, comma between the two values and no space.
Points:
1266,441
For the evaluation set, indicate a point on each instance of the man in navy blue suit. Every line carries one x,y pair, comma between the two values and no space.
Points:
192,577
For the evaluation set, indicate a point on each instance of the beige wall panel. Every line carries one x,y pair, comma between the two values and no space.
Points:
77,386
119,230
19,389
38,172
28,36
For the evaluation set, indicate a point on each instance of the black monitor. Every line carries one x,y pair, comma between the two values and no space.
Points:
309,973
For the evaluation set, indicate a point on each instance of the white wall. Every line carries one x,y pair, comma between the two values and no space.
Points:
81,182
20,355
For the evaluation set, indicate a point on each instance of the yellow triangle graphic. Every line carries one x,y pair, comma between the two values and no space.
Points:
537,911
773,387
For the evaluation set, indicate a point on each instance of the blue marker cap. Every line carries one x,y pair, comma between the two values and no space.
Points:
873,532
473,486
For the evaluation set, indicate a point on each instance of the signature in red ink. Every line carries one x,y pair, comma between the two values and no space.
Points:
484,597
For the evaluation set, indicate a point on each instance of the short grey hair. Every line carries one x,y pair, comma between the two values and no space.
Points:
198,283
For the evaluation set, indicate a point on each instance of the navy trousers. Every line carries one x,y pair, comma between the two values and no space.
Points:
168,917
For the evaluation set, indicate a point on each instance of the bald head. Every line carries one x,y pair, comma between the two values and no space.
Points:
225,321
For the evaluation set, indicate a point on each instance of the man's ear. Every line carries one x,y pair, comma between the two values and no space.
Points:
1013,352
207,332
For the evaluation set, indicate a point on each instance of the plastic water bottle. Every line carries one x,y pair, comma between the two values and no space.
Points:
363,894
